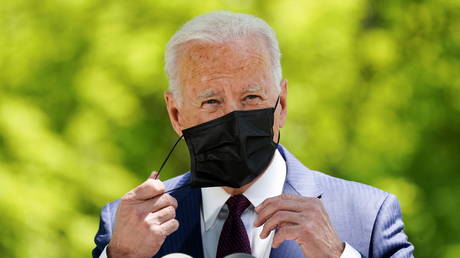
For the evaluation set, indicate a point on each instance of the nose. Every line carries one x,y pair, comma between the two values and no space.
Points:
231,105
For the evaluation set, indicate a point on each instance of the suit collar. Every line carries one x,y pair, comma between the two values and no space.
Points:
299,179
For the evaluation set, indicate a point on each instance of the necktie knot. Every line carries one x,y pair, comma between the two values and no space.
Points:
237,204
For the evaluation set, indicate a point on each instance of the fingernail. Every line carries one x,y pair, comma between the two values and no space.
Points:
154,175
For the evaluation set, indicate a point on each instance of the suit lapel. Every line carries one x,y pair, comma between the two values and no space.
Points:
187,239
299,181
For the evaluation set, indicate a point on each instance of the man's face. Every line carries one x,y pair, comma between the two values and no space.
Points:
217,79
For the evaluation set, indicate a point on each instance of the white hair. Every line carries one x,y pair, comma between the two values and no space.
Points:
220,27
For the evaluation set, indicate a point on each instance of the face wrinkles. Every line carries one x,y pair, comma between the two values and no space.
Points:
223,74
253,89
217,79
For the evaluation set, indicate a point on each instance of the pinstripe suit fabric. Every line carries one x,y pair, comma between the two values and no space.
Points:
363,216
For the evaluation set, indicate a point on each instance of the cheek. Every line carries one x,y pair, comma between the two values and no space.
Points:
188,120
195,118
277,119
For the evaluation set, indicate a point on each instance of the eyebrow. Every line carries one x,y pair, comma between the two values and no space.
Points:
211,93
252,88
206,94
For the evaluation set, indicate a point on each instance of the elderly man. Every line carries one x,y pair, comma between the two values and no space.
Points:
245,193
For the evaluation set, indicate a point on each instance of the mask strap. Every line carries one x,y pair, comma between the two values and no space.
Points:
167,157
279,131
166,160
276,104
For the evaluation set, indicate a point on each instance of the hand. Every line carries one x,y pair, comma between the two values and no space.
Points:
302,219
145,217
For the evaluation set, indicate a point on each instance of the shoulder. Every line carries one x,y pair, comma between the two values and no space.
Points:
356,210
366,217
352,201
177,181
350,192
333,190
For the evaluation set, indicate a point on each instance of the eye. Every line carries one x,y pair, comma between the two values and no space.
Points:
210,102
252,97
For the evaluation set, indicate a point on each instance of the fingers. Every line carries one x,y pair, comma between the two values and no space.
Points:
161,216
144,218
298,218
154,175
169,227
286,232
277,199
157,203
279,219
272,206
147,190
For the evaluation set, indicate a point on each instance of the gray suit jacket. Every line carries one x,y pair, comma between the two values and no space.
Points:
365,217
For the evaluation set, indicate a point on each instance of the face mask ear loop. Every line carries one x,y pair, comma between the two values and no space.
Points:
166,160
167,157
279,131
276,104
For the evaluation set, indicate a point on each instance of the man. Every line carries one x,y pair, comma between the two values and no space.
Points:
228,100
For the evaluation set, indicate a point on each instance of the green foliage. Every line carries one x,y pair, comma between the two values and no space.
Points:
374,96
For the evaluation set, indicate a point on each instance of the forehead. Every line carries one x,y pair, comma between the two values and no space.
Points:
250,88
244,60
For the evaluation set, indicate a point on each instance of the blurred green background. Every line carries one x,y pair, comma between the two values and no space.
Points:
374,96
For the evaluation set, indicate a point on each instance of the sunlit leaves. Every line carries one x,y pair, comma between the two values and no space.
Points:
373,97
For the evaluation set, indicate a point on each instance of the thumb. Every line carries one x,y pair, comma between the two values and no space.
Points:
154,175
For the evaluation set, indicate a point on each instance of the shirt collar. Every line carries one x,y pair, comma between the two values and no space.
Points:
269,184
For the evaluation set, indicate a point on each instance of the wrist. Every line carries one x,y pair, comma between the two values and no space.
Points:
113,252
339,250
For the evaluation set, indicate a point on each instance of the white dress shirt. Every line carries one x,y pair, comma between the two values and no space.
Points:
214,212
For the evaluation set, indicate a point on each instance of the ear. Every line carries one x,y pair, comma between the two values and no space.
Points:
173,112
283,103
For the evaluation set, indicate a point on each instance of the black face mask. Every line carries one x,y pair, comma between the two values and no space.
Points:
231,150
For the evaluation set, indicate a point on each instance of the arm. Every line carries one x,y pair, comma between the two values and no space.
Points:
388,237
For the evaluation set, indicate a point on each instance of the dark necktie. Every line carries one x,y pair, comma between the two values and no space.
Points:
233,238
